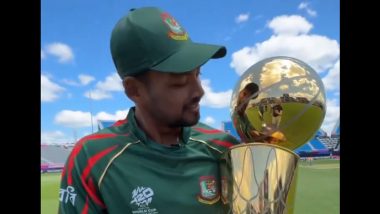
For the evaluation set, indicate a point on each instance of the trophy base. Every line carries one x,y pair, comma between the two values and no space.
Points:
259,178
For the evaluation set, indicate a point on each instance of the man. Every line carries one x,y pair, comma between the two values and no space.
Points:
241,122
276,114
247,132
261,112
159,159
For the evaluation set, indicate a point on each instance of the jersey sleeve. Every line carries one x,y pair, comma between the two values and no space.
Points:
78,192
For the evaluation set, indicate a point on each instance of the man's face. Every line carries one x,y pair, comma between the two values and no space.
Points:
173,99
243,96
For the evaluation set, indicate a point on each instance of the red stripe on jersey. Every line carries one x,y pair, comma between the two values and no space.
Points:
85,208
92,161
91,184
78,148
90,188
120,122
91,192
208,131
222,143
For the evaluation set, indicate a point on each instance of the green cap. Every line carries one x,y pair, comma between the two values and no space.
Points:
149,39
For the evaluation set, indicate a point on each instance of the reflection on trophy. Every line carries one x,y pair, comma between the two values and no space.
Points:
276,107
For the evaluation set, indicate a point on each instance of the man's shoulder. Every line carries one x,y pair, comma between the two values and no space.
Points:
99,148
115,136
213,137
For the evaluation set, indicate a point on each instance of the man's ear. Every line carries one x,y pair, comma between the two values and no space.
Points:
132,88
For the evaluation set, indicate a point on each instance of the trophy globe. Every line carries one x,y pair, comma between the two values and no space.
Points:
279,100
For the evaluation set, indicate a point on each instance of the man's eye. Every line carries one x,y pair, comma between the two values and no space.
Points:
179,83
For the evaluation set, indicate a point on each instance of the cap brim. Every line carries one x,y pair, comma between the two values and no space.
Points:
189,57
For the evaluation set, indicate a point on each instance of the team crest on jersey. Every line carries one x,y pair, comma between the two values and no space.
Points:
142,197
175,30
209,192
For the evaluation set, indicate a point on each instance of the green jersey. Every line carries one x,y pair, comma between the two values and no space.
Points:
120,170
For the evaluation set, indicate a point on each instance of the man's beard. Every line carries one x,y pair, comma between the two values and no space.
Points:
183,123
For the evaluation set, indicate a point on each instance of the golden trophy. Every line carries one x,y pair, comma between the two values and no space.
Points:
277,106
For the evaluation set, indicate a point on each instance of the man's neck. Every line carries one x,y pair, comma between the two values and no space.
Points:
158,132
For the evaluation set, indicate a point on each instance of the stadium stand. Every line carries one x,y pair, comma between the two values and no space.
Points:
228,127
317,145
305,147
335,138
53,157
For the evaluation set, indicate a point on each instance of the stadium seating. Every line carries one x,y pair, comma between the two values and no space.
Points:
53,157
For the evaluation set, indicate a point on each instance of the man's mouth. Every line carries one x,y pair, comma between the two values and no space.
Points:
194,107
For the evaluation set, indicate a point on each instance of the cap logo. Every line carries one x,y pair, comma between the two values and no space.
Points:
176,32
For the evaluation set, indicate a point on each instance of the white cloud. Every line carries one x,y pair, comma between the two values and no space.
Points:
119,115
112,83
73,119
332,115
215,99
209,120
302,5
103,88
318,51
332,80
85,79
290,25
309,10
97,94
70,82
60,50
43,56
49,90
54,137
242,18
78,119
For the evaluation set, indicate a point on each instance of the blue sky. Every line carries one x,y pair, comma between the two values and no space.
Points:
79,77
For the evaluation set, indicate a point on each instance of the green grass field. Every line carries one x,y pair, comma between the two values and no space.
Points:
317,189
300,130
49,192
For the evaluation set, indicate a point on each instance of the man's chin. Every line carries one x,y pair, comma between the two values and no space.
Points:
190,123
186,122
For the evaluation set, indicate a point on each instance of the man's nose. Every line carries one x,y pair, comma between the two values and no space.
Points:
198,89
